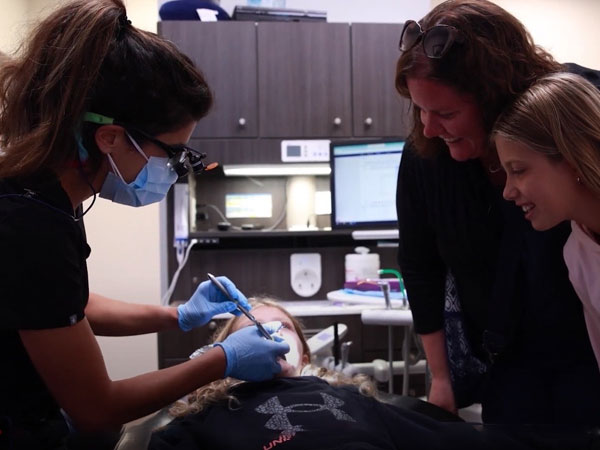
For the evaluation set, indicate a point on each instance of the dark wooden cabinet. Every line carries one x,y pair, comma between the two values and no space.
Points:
226,54
377,108
239,151
277,80
304,80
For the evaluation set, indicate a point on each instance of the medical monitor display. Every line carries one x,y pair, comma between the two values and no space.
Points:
363,183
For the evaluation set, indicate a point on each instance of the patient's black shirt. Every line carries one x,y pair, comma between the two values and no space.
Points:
43,285
307,413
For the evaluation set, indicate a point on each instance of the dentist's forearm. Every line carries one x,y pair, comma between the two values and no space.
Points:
110,317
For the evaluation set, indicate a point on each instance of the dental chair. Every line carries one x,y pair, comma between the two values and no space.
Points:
136,435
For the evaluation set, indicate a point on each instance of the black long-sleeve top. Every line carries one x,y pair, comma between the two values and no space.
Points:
449,218
510,278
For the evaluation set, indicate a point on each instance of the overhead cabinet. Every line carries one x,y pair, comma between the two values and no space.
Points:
377,107
304,80
296,80
225,52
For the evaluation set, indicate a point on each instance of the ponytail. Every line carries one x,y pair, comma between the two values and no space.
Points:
86,56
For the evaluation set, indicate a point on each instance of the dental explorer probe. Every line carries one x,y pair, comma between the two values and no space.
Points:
244,311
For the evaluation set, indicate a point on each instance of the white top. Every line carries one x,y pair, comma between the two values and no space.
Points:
582,256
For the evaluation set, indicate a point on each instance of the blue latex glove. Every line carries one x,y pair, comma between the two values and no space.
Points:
250,356
207,302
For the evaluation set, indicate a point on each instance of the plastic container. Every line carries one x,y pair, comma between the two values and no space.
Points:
362,265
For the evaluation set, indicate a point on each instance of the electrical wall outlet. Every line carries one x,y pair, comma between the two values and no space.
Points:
305,273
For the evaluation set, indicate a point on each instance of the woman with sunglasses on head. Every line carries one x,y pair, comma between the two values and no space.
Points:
93,106
548,142
517,341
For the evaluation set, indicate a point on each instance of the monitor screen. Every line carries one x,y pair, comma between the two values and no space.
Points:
363,183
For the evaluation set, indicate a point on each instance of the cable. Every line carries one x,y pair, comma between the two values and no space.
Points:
82,157
280,218
165,299
283,211
220,213
30,195
398,276
234,227
256,182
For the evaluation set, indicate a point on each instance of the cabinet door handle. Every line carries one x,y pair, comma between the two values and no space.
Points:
368,122
337,121
242,122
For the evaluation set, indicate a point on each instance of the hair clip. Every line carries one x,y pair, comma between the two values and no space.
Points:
124,21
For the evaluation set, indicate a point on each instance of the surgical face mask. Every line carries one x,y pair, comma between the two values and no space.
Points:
150,186
294,356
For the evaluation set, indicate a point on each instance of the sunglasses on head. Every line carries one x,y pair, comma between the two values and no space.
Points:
436,41
182,158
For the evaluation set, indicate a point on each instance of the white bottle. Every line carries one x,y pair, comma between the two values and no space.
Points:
362,265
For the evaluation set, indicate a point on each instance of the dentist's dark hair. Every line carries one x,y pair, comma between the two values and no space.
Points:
86,56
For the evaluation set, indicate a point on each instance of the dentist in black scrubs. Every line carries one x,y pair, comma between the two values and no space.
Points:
93,107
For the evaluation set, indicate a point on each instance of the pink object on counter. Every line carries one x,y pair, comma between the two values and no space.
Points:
371,285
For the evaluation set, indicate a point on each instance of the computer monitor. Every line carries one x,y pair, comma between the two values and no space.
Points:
363,183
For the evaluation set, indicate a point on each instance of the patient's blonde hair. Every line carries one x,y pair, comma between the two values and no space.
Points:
559,116
220,390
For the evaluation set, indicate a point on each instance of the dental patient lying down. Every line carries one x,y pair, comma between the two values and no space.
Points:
312,408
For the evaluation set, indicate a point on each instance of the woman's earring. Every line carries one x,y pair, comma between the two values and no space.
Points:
579,180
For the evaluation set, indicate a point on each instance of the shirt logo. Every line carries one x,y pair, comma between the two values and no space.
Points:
280,420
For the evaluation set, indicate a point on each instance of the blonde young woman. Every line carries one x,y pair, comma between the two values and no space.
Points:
309,407
549,145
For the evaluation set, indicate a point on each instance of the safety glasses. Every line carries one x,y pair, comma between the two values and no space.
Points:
181,157
436,41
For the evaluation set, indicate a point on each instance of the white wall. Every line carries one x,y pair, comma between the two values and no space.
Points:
568,29
13,24
373,11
